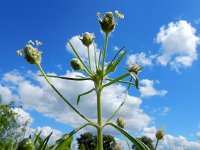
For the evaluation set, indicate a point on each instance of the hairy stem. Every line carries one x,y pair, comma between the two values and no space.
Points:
62,97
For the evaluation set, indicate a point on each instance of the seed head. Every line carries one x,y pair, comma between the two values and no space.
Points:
120,122
107,22
135,68
159,134
87,39
76,64
32,55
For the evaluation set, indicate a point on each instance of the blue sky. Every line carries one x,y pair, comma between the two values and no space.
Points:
175,79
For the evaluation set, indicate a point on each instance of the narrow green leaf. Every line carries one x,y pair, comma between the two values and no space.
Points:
79,96
139,145
37,137
116,55
68,136
45,141
112,67
135,78
65,144
121,81
116,80
67,78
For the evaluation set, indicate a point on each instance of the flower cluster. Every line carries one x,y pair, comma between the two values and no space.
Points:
31,52
108,21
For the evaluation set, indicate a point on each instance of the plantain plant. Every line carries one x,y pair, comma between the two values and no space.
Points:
97,74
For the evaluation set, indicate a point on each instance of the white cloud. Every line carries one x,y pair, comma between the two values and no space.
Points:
116,48
198,134
178,44
162,111
24,119
147,89
22,116
38,96
171,142
46,130
141,59
6,94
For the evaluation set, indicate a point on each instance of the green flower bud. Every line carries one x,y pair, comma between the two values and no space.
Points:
120,122
87,39
134,68
76,64
26,144
159,134
108,22
32,55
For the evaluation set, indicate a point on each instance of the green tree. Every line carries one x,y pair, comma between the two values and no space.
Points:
147,141
86,141
89,142
10,130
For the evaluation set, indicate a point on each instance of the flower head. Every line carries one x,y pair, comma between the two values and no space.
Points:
32,55
159,134
135,68
31,52
107,22
87,38
120,122
76,64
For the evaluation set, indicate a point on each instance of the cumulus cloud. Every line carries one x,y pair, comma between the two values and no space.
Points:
22,116
178,44
141,59
147,88
6,94
46,130
36,94
171,142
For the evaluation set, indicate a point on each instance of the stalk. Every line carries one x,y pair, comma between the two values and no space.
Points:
99,115
95,56
156,144
63,98
89,57
104,52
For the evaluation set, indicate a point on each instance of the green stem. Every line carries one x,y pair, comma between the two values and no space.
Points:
104,52
62,97
95,56
99,114
156,144
124,100
79,128
89,58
